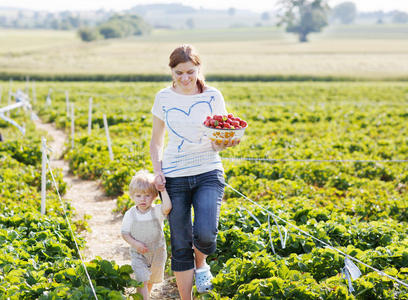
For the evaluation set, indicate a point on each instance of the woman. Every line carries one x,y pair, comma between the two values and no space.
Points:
190,169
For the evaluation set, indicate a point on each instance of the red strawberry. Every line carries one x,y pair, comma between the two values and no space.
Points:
217,117
235,123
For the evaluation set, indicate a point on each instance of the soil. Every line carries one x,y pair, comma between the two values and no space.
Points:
88,199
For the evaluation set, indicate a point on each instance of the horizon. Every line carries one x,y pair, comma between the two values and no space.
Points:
254,5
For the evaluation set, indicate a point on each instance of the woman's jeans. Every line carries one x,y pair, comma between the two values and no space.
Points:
204,192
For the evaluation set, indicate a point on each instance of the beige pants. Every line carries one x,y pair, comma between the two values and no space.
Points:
149,266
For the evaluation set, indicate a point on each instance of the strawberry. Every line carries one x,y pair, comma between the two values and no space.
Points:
217,117
224,122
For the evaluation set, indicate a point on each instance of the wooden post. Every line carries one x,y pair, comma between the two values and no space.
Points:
90,116
72,125
67,102
43,175
105,123
48,100
26,86
34,94
9,102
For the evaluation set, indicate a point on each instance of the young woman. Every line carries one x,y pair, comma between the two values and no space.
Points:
190,168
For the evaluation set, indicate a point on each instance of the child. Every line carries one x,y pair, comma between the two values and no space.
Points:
142,228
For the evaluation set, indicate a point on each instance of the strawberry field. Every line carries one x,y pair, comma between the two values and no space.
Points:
330,158
38,256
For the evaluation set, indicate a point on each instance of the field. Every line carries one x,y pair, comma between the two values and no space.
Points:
337,170
371,51
328,158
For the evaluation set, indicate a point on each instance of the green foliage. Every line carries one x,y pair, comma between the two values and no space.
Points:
88,34
346,12
110,31
361,208
303,16
124,25
38,254
117,26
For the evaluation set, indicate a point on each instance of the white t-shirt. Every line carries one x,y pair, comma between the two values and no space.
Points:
188,151
134,214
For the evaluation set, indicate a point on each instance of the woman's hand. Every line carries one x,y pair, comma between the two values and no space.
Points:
159,181
222,146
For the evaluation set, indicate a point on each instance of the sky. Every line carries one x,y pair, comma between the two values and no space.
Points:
254,5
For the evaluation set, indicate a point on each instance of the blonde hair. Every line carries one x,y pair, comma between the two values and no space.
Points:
186,53
142,182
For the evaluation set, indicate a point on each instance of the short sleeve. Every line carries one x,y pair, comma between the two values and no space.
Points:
126,222
156,109
220,104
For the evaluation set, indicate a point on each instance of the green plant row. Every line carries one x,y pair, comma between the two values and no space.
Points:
163,77
38,255
357,204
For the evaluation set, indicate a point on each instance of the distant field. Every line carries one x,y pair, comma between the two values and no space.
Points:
375,51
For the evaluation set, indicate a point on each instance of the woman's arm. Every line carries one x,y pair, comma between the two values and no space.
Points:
166,203
156,148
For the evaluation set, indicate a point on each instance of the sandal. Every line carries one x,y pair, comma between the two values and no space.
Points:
203,279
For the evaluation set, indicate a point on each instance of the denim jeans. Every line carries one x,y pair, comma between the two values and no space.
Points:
204,193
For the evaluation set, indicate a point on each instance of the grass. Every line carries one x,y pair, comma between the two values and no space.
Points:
375,51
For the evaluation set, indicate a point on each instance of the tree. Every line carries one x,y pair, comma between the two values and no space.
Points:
346,12
400,17
88,34
110,31
303,16
265,16
190,23
126,25
232,11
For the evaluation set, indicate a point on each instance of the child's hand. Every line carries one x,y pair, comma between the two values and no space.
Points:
141,248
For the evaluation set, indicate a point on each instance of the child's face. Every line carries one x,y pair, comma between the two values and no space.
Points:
143,201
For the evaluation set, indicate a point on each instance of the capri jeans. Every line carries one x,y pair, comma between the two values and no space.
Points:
204,193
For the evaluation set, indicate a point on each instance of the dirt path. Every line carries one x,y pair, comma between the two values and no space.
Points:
88,198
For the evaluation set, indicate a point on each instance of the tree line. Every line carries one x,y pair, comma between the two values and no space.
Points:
303,17
300,17
117,26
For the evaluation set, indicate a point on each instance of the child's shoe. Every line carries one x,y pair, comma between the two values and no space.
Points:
203,279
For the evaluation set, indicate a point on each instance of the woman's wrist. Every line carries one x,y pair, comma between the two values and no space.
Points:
157,168
157,172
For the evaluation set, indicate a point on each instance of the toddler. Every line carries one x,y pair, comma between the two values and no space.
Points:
142,228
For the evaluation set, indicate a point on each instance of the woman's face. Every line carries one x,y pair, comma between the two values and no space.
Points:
185,76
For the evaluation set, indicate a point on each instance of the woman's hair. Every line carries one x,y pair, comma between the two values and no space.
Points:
186,53
142,182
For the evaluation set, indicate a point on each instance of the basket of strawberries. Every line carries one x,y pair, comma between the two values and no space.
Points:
223,128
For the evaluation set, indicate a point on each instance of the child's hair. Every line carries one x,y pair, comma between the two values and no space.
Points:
142,182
